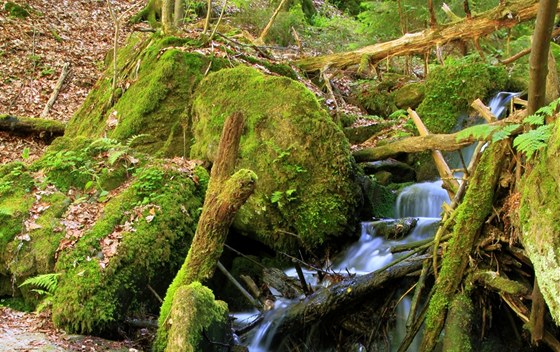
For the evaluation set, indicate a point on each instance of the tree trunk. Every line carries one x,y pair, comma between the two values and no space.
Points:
224,196
339,299
446,142
538,61
503,16
48,129
167,17
179,13
470,218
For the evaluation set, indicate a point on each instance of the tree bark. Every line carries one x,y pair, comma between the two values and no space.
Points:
47,129
167,16
446,142
338,299
538,61
224,196
179,13
471,215
503,16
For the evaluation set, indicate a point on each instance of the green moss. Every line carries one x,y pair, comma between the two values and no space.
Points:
518,80
16,10
458,324
156,105
91,298
409,95
37,256
300,156
194,312
380,200
15,203
540,224
450,89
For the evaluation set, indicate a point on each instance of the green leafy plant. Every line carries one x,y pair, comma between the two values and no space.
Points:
282,197
533,140
45,285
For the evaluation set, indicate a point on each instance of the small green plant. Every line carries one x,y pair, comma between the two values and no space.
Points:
528,142
45,285
283,197
25,153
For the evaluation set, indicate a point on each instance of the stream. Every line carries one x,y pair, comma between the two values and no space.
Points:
421,201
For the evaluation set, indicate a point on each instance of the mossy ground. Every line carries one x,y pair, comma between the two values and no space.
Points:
292,145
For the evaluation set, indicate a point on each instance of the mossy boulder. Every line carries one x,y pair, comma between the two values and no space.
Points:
305,191
140,239
450,89
540,222
152,113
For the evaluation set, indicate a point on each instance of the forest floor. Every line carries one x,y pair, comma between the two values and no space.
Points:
32,52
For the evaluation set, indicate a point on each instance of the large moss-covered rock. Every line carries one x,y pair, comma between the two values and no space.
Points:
155,104
305,190
450,89
540,222
140,239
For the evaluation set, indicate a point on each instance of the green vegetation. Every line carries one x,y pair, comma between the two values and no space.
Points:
16,10
451,88
150,236
294,148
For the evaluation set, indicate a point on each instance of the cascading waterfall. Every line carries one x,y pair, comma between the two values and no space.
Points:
422,201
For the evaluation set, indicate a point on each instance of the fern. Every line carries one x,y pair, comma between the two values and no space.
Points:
46,283
504,132
477,132
533,140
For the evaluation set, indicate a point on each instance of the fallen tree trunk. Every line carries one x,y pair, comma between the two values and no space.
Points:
338,299
186,297
470,218
505,15
48,129
416,144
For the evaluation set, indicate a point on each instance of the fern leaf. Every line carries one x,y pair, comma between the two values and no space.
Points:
479,132
535,119
504,132
115,155
47,282
532,141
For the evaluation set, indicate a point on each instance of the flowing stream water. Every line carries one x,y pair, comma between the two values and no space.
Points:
422,201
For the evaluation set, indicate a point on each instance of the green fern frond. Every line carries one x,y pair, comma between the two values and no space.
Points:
103,144
504,132
535,119
115,154
130,141
47,282
479,132
532,141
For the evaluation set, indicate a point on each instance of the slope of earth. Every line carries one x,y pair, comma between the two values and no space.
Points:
33,50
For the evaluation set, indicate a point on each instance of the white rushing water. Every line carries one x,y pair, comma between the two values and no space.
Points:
422,201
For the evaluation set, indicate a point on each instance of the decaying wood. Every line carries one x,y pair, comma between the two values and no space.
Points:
56,90
505,15
226,193
446,142
256,303
48,129
474,210
339,299
483,110
450,184
266,29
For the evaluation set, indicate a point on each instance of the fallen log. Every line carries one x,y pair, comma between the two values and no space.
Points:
338,299
506,15
416,144
47,129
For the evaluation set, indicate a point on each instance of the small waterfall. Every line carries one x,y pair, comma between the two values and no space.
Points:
371,252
